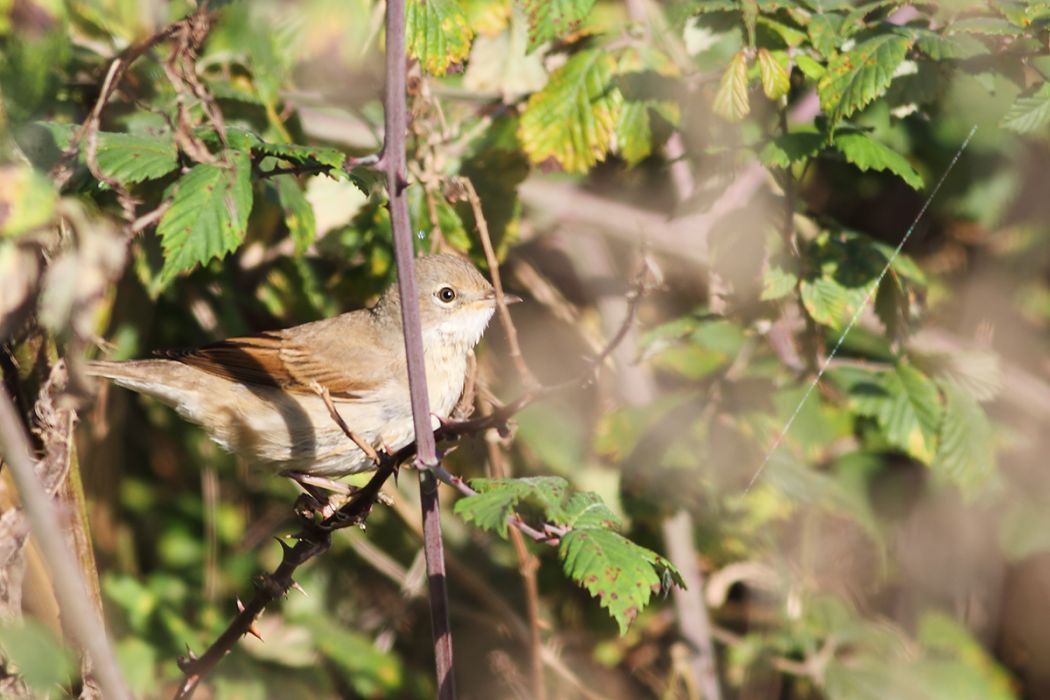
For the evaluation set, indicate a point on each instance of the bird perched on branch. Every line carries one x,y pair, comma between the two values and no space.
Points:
268,396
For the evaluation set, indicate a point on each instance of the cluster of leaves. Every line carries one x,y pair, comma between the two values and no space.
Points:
260,220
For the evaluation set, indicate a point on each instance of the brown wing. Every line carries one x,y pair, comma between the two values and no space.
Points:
275,359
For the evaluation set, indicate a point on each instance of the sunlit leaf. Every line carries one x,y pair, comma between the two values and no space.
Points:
857,77
573,118
773,69
731,100
208,216
437,33
966,453
551,19
621,574
1030,112
868,154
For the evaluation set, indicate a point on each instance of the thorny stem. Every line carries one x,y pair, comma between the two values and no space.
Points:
313,539
393,163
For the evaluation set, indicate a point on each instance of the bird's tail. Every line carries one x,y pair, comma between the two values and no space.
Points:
160,379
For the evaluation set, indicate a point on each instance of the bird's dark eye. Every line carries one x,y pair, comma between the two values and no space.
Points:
446,294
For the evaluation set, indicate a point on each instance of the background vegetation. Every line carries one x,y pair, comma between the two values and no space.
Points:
762,159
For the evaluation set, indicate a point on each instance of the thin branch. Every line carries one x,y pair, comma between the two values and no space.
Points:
393,162
313,539
527,567
527,377
70,586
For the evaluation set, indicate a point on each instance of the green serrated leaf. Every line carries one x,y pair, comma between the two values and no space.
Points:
810,68
438,33
498,498
773,68
129,158
784,150
846,266
621,574
868,154
943,47
574,117
907,406
1029,112
638,72
298,214
587,509
126,158
552,19
307,156
988,26
855,78
789,35
731,100
208,216
966,453
824,32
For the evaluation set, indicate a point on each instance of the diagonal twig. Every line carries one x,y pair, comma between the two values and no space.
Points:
70,586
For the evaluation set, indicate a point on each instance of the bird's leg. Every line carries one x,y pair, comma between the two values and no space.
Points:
322,391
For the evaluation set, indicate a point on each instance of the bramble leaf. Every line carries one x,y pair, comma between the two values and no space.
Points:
731,100
778,283
966,453
1029,112
573,118
208,216
638,69
129,158
298,214
126,158
868,154
857,77
790,148
438,33
621,574
551,19
905,403
498,498
846,266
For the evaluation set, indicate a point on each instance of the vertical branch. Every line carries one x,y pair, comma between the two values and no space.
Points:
46,527
392,162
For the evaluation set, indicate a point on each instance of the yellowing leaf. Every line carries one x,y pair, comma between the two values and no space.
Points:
774,71
731,100
855,78
550,19
573,118
437,33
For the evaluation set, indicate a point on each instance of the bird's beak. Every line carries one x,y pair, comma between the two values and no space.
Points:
507,298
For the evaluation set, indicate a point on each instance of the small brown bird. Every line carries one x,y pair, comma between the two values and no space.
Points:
257,396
